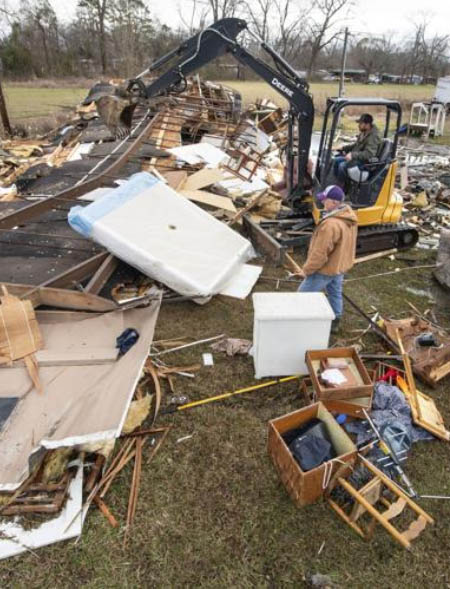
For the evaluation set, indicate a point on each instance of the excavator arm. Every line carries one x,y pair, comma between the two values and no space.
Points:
220,39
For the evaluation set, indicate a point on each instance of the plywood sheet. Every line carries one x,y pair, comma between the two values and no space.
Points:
80,404
19,330
175,178
210,199
199,153
202,179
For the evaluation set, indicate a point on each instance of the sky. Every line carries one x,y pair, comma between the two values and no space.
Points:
369,16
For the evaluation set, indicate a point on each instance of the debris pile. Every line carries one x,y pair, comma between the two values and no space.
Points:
47,436
107,227
425,187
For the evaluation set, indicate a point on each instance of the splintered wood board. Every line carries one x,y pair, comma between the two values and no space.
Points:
175,178
61,298
440,371
371,493
166,134
430,419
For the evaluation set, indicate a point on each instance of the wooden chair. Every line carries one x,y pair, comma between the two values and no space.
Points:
371,499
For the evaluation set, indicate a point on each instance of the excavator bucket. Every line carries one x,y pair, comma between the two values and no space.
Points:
117,114
115,107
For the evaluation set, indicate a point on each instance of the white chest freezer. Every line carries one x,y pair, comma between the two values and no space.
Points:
285,326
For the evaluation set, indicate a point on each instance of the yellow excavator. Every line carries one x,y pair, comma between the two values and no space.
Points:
370,191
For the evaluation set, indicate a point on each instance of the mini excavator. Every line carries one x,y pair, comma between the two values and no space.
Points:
371,192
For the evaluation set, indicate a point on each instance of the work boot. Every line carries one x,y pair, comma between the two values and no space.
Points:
335,325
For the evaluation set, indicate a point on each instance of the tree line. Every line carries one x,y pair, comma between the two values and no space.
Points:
122,37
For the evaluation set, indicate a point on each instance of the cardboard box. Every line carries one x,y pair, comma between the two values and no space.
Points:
307,487
360,385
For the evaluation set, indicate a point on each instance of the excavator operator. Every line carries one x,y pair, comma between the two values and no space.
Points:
363,151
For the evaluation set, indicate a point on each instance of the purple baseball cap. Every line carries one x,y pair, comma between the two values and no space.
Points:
334,192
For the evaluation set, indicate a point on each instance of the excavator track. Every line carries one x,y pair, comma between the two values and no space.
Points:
371,239
385,236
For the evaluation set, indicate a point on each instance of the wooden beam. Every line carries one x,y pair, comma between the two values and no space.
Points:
251,203
263,241
103,274
376,255
78,273
69,277
291,264
88,357
61,298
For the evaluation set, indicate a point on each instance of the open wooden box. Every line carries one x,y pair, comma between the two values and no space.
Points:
361,385
307,487
352,407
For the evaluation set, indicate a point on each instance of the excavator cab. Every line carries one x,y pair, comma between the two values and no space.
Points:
369,190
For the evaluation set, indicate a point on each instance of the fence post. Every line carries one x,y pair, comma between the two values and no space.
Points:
3,112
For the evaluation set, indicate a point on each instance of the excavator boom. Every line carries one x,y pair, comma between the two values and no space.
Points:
210,43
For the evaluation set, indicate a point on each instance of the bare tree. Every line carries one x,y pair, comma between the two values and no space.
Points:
34,29
195,18
291,21
259,13
322,26
225,8
42,15
374,54
6,12
121,35
99,11
433,52
414,47
130,25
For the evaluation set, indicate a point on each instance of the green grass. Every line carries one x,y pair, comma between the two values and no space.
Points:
36,107
212,511
26,103
404,93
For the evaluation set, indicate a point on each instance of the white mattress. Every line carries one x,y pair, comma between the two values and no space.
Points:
153,228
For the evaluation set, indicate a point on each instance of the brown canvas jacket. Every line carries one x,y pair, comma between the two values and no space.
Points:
333,244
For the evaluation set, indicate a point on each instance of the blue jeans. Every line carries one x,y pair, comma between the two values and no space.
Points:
332,285
340,165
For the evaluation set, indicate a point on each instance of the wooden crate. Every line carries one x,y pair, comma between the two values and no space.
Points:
351,407
364,386
307,487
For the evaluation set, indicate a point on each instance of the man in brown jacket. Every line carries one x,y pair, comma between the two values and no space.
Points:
331,250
